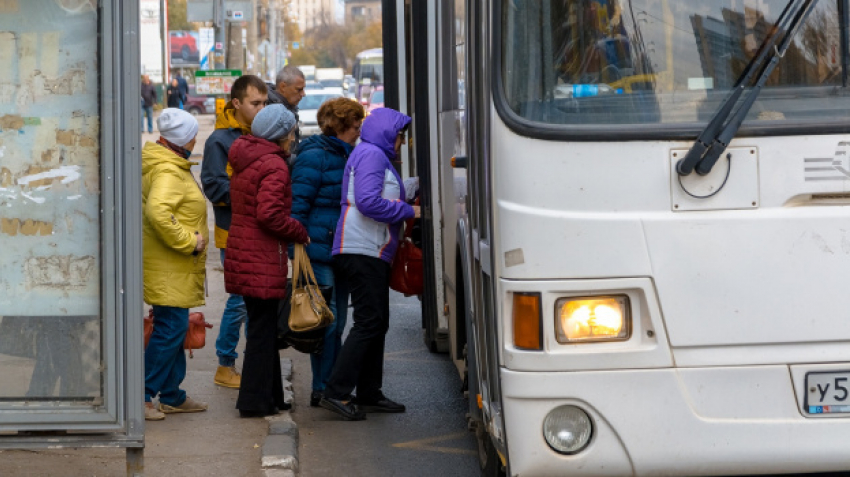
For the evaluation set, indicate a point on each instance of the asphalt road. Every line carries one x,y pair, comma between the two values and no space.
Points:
429,439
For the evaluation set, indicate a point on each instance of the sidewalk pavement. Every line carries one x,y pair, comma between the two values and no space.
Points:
212,443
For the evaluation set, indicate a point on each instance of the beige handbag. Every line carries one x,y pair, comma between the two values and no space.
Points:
308,308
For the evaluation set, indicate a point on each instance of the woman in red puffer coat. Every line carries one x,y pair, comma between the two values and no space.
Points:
256,263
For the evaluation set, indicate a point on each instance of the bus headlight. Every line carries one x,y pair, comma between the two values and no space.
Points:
592,319
567,429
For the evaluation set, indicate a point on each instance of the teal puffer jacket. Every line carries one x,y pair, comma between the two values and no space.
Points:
317,191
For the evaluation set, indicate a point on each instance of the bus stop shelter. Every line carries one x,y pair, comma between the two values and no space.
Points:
71,368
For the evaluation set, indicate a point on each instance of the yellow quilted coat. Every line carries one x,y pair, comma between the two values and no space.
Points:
173,208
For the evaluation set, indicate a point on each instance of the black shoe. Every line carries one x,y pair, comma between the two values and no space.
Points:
384,404
315,397
346,409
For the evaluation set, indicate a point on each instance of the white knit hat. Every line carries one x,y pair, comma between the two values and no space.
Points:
177,126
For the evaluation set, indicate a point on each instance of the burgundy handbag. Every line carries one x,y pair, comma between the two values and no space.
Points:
406,274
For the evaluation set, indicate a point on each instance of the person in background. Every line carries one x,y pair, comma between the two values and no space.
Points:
256,266
288,90
316,192
175,97
247,97
175,236
183,85
149,99
366,239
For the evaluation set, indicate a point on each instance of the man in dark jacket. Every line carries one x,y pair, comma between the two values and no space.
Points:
183,85
148,100
288,90
247,97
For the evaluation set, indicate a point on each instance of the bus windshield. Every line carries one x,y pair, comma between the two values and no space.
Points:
622,62
371,72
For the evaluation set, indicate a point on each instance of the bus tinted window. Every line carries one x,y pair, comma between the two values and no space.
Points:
611,62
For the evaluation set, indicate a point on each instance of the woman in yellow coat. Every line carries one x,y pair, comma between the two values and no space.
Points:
175,235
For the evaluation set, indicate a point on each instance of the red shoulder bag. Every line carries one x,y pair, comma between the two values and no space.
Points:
407,275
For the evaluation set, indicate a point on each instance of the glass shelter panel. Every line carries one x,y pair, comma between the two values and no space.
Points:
50,225
623,62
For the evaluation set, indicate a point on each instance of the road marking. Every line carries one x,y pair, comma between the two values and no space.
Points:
396,353
425,444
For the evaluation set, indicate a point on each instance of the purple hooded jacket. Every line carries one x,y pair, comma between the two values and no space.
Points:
373,208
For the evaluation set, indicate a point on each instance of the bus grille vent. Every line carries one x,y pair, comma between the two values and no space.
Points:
832,197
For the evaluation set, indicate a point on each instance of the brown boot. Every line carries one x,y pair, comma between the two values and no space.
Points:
189,405
228,377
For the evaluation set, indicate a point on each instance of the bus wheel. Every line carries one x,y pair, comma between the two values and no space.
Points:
488,459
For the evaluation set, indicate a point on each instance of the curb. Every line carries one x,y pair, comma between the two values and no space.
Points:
280,449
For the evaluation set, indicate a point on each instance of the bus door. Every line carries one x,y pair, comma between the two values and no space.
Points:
482,331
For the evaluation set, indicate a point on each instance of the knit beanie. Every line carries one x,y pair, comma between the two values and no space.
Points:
177,126
273,122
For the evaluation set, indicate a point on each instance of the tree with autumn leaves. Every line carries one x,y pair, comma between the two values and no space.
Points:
328,45
335,46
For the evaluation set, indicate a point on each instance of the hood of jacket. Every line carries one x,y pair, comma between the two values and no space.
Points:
154,155
326,143
227,120
382,127
248,149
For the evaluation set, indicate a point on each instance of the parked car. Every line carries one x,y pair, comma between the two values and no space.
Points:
313,85
376,100
183,46
309,106
199,105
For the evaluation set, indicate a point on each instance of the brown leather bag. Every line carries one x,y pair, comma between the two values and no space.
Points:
148,327
196,336
308,308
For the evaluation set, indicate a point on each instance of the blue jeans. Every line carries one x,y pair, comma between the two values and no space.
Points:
165,359
235,315
147,111
323,363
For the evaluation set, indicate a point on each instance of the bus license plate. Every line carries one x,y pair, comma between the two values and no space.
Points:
828,393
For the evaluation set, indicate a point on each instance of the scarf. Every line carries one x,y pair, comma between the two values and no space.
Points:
180,151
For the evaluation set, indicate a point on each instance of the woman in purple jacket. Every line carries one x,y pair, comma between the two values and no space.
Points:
367,235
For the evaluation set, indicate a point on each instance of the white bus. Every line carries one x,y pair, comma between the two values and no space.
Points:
612,312
368,73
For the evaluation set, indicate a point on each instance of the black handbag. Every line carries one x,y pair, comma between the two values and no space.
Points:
312,341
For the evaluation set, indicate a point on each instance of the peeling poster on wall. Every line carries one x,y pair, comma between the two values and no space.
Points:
50,226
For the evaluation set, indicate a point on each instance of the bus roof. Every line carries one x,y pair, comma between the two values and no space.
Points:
373,53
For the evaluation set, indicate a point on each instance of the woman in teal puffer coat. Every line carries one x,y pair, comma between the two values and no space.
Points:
316,197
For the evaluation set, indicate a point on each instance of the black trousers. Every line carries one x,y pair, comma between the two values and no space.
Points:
262,387
360,363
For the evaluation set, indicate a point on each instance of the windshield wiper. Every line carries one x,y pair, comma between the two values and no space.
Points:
713,140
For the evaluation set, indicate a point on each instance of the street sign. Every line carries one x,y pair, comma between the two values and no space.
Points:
215,81
206,42
219,45
203,11
295,45
237,15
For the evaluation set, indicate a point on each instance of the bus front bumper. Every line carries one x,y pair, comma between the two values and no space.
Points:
696,421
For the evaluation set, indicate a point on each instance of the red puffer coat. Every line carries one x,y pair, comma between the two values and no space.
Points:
261,227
